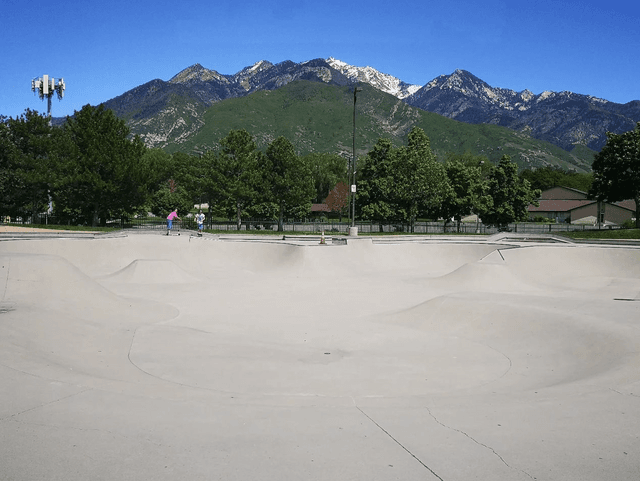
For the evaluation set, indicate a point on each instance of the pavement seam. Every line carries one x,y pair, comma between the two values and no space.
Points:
15,415
398,443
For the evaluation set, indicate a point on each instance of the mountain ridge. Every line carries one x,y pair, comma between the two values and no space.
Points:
565,119
317,117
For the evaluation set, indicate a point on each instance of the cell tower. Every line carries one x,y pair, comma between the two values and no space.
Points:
46,87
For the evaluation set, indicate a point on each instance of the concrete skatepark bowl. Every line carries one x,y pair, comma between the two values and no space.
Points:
165,358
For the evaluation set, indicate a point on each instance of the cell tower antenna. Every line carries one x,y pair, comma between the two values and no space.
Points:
46,87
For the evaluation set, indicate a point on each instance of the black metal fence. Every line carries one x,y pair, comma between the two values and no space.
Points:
363,227
328,227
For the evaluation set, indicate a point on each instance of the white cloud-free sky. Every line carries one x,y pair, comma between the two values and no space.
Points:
102,49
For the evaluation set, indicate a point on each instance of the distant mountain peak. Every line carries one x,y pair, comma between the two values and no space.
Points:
196,73
382,81
257,67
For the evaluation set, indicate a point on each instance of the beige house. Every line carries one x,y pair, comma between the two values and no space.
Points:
563,204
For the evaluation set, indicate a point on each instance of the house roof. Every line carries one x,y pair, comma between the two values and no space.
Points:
569,205
558,205
550,204
320,208
627,204
553,192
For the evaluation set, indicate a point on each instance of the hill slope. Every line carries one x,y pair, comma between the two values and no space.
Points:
319,117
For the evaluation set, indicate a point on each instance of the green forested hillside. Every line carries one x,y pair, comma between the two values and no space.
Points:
319,118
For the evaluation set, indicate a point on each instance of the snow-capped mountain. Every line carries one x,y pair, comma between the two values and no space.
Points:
562,118
565,119
382,81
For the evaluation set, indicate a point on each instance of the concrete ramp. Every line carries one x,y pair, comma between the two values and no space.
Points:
548,342
598,272
152,271
483,277
60,324
51,281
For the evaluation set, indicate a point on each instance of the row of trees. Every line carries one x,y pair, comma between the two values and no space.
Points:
407,183
89,169
92,170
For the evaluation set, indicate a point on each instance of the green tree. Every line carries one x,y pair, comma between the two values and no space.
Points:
193,174
470,190
326,170
156,163
30,149
511,195
102,179
9,161
169,196
288,180
235,172
167,188
548,177
616,169
421,181
214,191
377,183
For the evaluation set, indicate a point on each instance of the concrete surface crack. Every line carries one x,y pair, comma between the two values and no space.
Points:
6,283
399,444
477,442
624,394
14,415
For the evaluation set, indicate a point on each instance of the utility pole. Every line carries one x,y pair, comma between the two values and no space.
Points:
353,230
46,87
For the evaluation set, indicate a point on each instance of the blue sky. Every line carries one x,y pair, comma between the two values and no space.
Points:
102,49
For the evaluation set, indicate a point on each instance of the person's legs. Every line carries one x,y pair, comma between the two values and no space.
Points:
169,225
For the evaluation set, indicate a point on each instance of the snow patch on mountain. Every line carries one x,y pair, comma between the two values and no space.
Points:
384,82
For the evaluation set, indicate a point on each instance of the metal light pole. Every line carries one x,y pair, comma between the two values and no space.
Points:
46,87
353,230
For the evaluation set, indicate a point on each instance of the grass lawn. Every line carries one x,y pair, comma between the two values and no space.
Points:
83,228
603,234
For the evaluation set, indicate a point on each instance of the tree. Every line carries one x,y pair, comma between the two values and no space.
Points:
103,178
326,170
9,160
235,172
377,183
616,170
470,190
214,191
288,180
547,177
338,199
421,181
169,196
511,195
29,150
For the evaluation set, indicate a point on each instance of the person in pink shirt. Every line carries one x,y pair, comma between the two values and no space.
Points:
170,218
